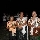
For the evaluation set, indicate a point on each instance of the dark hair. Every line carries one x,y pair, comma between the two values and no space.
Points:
33,11
21,11
11,16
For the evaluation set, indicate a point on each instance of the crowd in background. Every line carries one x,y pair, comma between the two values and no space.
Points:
6,18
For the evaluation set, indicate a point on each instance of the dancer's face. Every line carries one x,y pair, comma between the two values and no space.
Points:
34,14
11,18
21,14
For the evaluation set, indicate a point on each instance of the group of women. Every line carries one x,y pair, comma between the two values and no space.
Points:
18,29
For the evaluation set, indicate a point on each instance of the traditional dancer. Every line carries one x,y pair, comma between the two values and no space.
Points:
11,25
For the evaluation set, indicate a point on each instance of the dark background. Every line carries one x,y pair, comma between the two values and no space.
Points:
12,7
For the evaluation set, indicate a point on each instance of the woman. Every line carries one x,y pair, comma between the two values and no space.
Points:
11,25
21,23
32,23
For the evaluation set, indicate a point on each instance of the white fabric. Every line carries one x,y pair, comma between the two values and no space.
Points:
13,31
33,22
24,19
39,20
10,24
31,31
36,32
4,18
23,31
